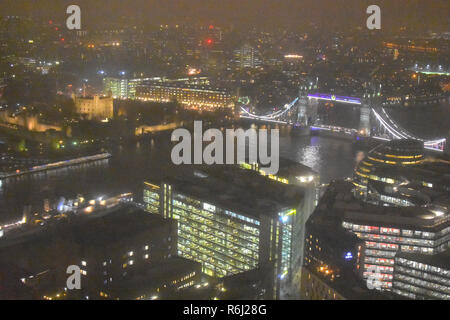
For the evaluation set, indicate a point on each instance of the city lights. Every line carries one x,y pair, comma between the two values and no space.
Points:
248,151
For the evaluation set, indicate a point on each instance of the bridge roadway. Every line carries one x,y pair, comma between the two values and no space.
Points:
390,127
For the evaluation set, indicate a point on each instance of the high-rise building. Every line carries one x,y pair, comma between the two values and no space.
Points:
247,57
294,173
121,88
398,208
398,174
231,220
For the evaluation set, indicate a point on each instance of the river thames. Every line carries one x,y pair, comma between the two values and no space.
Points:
132,164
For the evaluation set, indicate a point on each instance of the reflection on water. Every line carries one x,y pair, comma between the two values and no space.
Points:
130,165
331,158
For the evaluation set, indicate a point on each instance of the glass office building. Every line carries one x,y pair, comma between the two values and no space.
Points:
422,277
402,250
397,173
384,243
294,173
229,228
121,88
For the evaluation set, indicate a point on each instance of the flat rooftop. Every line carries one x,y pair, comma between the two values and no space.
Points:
96,229
235,189
154,276
338,201
289,168
116,225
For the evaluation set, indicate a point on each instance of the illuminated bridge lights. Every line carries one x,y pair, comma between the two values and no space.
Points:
387,123
270,117
331,97
397,133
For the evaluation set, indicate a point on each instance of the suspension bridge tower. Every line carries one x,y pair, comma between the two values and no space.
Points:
369,101
364,116
302,116
307,108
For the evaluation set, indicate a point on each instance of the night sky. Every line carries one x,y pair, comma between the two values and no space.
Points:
426,14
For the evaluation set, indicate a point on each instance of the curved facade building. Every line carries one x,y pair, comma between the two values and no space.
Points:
387,176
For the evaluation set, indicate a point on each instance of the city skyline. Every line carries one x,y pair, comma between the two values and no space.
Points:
224,150
417,14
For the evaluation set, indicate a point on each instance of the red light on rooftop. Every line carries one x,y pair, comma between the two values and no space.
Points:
211,27
209,41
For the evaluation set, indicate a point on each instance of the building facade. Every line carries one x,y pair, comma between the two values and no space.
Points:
120,88
114,250
95,108
398,208
202,98
230,226
247,57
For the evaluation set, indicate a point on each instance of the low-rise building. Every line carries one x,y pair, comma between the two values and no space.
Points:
95,108
118,252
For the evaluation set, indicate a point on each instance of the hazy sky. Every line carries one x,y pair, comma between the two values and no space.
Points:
429,14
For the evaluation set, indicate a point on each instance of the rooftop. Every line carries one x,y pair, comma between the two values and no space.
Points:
290,168
235,189
95,229
339,202
155,276
116,225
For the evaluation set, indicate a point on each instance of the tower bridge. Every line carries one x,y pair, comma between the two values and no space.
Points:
374,123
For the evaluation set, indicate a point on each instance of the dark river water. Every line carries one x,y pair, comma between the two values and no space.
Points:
132,164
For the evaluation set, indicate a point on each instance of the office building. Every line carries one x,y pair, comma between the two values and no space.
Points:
294,173
247,57
419,276
398,250
114,249
256,284
400,218
121,88
229,219
398,174
161,280
331,261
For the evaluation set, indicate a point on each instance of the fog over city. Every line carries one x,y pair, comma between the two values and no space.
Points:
251,150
